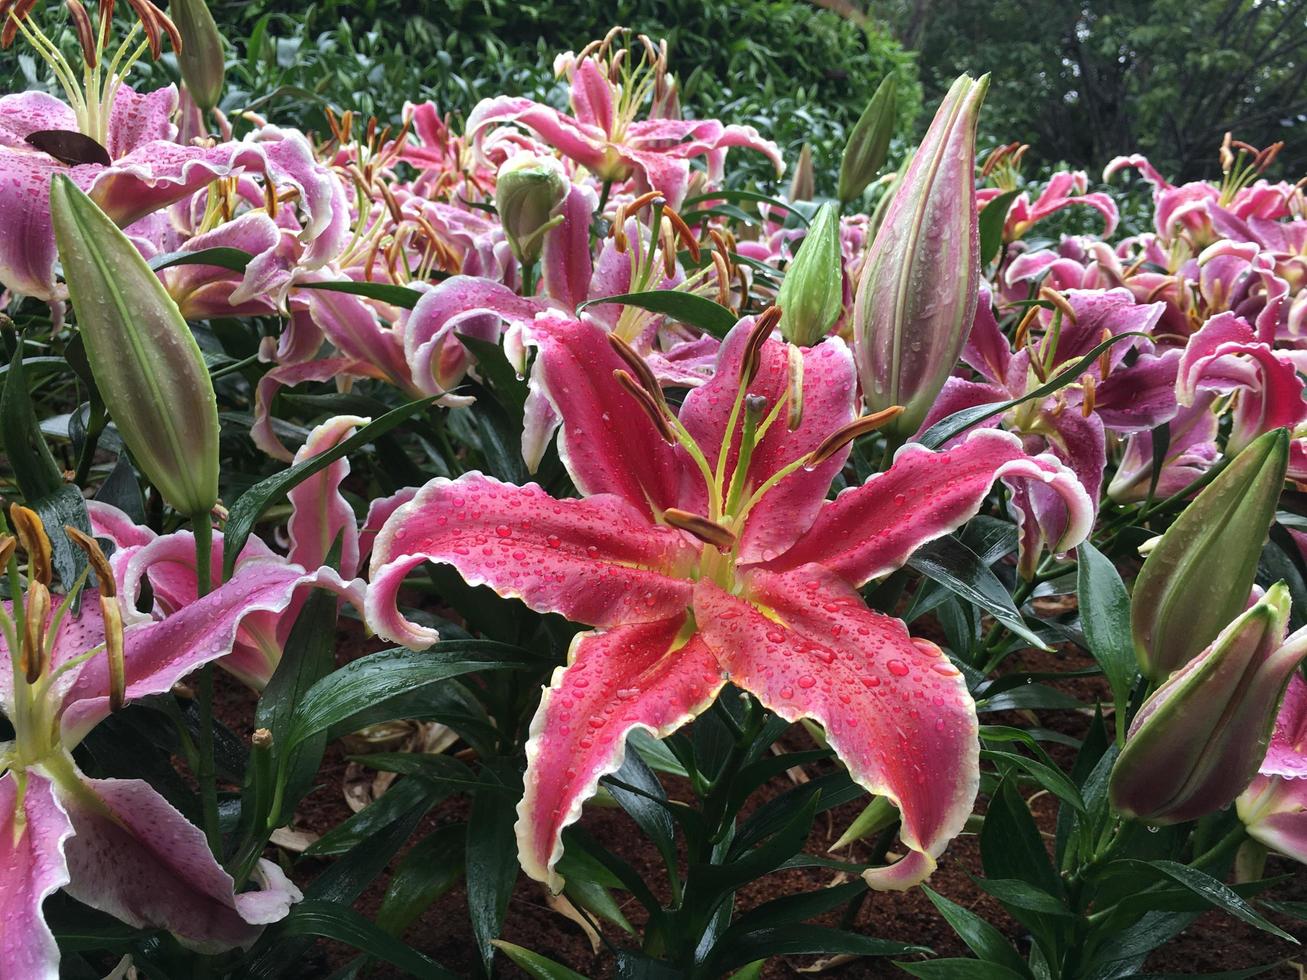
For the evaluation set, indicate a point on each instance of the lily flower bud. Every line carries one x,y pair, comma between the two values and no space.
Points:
527,192
1198,575
868,144
917,295
812,293
200,57
145,360
1196,744
803,182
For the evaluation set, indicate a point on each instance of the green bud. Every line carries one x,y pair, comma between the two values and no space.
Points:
200,57
1198,575
527,192
142,354
1198,741
868,145
812,293
803,182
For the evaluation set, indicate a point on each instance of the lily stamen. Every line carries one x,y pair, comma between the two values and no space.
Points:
709,532
844,435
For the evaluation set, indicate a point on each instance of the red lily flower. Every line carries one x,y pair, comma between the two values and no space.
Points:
705,550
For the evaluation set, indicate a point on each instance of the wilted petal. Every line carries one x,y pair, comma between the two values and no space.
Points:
135,857
32,868
632,676
870,530
597,561
894,709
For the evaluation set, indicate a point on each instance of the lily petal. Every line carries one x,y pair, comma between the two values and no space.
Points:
597,560
319,514
895,710
632,676
32,868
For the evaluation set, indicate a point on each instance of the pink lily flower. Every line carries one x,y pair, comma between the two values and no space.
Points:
113,844
1065,188
1274,807
604,135
704,549
1072,424
320,516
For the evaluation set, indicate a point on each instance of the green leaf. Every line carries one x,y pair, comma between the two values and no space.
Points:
1215,892
258,498
992,218
685,307
952,564
981,937
492,854
431,868
651,817
1016,893
35,470
1011,845
383,812
1048,777
1105,618
739,195
536,966
341,923
223,256
362,692
957,423
384,291
960,969
65,506
809,940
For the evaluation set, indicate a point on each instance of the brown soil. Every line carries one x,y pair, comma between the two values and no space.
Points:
1215,942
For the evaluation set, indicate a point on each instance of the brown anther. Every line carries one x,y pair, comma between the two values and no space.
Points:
34,620
270,199
156,24
85,32
615,66
723,270
639,369
844,435
709,532
112,615
95,557
392,205
763,326
32,537
261,738
650,49
8,545
1019,338
646,401
683,231
1267,157
1018,154
1226,154
668,236
1089,386
644,200
1059,301
1105,358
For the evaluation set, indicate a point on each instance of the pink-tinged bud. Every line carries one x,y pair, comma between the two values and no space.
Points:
868,144
146,363
1196,744
917,294
803,182
528,191
812,294
200,57
1198,576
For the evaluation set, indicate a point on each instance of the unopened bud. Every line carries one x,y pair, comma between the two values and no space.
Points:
803,182
201,58
868,145
527,192
811,297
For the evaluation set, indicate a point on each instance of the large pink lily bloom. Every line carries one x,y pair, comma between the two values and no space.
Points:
320,516
116,844
1274,807
761,590
604,136
1066,188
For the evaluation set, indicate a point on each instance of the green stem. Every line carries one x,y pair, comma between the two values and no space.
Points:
207,775
94,426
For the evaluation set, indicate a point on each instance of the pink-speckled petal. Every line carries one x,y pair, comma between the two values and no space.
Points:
24,113
353,328
574,139
607,443
27,249
139,118
1287,754
894,709
592,95
263,432
319,514
32,868
1274,812
632,676
135,857
870,530
204,291
565,263
107,521
597,561
987,349
379,511
1140,397
829,394
957,395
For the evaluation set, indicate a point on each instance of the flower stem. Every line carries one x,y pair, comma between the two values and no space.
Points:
207,775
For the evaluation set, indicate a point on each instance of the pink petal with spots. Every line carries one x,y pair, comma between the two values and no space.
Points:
592,95
576,140
1274,811
632,676
566,254
353,328
319,514
895,710
598,561
135,857
870,530
1287,754
24,113
987,349
139,118
379,511
957,395
829,391
606,441
32,868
